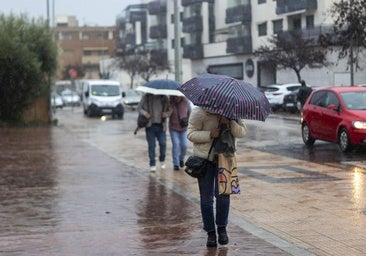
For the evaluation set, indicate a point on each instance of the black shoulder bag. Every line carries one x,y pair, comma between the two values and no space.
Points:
197,166
182,121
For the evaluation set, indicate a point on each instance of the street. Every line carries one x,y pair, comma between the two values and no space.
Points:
71,190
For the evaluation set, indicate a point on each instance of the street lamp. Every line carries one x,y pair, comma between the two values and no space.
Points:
351,43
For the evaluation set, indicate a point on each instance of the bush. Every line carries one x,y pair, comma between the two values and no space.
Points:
28,61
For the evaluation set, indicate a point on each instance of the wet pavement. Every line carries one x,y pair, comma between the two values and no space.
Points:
83,188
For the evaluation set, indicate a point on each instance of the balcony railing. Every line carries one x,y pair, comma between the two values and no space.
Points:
137,16
193,52
240,13
306,34
192,24
130,38
286,6
239,45
191,2
156,7
158,31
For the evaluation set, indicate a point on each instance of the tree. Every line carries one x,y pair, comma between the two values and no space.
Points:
141,62
291,50
28,61
348,34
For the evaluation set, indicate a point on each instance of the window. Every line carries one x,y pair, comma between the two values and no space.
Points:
296,23
262,29
65,36
277,26
85,36
310,21
318,99
262,1
331,99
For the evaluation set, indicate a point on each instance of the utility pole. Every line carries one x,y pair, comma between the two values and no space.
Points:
177,44
351,44
48,11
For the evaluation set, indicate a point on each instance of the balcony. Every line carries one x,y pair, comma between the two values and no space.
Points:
287,6
193,51
240,13
239,45
192,24
137,16
156,7
94,60
130,38
158,32
306,34
191,2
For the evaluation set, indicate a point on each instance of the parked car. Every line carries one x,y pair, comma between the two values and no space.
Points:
335,114
56,100
290,102
276,93
70,98
131,99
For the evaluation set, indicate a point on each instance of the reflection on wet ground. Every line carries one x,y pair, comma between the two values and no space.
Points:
27,181
62,196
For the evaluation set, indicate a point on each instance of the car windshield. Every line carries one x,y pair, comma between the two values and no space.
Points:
105,90
131,93
354,100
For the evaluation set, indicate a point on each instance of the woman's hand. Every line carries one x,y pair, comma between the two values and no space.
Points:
215,133
224,120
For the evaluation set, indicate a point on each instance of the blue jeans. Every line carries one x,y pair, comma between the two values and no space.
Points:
208,190
156,131
179,145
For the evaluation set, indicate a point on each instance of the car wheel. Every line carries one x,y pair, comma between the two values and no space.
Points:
344,141
89,112
306,135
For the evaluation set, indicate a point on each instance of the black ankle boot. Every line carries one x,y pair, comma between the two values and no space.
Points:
211,239
223,238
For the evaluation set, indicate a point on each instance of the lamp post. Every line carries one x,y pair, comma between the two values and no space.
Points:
351,43
177,45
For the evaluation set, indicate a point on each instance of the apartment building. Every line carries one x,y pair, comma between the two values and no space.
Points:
220,36
83,46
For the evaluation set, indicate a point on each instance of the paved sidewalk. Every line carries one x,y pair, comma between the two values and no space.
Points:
84,188
298,206
251,240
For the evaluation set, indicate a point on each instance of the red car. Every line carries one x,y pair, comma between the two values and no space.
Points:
335,114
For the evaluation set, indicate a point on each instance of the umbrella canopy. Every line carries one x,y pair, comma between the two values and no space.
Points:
227,96
161,87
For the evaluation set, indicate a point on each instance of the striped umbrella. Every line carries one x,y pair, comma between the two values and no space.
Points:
227,96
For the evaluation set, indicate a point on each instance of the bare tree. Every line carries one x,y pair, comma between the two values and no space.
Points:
348,35
292,50
141,62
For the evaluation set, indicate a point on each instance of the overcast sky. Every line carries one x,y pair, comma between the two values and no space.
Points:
89,12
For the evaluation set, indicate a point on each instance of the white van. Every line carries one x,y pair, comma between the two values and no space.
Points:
101,97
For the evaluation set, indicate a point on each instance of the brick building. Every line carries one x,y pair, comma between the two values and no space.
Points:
83,46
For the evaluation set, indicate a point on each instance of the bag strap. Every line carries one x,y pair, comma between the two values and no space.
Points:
212,146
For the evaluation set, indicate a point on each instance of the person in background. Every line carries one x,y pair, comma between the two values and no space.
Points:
178,131
157,109
303,94
203,129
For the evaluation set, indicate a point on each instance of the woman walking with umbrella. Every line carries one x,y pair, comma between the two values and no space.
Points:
178,130
223,102
203,129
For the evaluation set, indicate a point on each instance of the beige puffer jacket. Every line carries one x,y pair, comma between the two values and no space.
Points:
201,123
